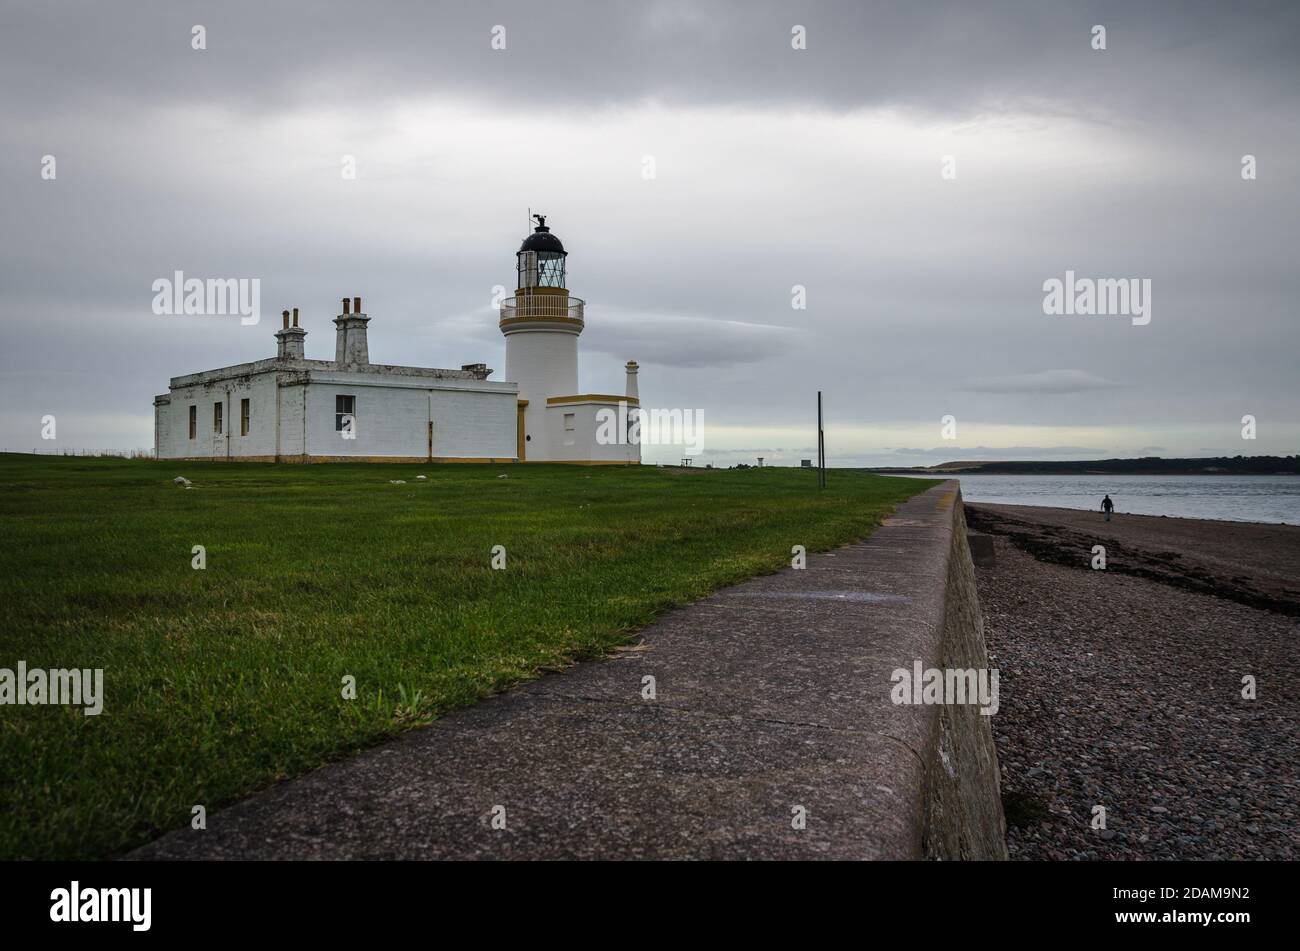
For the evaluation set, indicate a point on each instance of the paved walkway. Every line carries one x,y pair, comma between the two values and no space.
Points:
770,695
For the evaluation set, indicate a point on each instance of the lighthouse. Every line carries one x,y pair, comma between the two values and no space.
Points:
541,324
297,409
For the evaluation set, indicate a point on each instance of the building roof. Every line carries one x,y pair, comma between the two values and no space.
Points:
273,365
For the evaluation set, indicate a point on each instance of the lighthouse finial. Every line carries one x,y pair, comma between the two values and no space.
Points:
541,222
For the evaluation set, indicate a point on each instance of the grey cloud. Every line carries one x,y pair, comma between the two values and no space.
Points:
1045,381
945,56
924,296
672,340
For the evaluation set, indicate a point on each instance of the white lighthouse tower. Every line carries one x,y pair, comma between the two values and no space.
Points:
541,323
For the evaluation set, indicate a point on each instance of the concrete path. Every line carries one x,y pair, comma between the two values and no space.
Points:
771,696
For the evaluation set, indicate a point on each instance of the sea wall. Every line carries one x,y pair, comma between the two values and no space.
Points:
963,807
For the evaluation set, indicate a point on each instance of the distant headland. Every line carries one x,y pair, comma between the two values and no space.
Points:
1146,465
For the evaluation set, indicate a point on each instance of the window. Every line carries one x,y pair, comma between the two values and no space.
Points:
345,414
568,422
243,417
194,421
216,416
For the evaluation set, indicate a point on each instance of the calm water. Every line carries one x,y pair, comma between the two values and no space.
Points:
1233,498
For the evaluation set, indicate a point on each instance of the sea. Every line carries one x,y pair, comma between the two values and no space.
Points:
1262,498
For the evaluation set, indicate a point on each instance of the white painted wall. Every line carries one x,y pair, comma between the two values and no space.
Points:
475,424
389,422
471,419
172,420
291,416
579,444
543,363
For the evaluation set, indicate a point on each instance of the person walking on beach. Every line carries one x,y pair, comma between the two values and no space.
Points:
1107,506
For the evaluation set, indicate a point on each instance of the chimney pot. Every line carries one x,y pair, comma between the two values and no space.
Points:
347,302
356,305
289,346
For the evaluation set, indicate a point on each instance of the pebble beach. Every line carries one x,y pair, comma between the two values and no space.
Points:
1123,688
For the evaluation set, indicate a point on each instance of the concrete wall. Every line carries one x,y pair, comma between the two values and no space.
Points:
963,803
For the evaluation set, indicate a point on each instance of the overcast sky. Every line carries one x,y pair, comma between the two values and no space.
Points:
773,167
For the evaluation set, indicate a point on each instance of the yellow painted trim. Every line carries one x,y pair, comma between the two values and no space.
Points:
405,460
296,459
541,291
474,459
580,462
591,398
538,318
521,440
224,458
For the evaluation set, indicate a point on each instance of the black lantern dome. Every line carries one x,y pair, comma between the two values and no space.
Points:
541,258
542,240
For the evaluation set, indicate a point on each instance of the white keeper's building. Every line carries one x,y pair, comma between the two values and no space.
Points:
292,409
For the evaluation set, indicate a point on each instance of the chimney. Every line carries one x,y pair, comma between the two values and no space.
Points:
632,393
350,347
289,340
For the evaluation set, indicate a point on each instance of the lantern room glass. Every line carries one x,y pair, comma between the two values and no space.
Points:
541,269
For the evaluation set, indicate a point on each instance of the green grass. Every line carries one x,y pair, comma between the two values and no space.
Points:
218,682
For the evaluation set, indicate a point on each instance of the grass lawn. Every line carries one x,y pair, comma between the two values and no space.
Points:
220,681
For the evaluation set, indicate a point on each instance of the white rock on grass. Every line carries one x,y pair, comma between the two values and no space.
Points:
397,481
181,480
422,477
